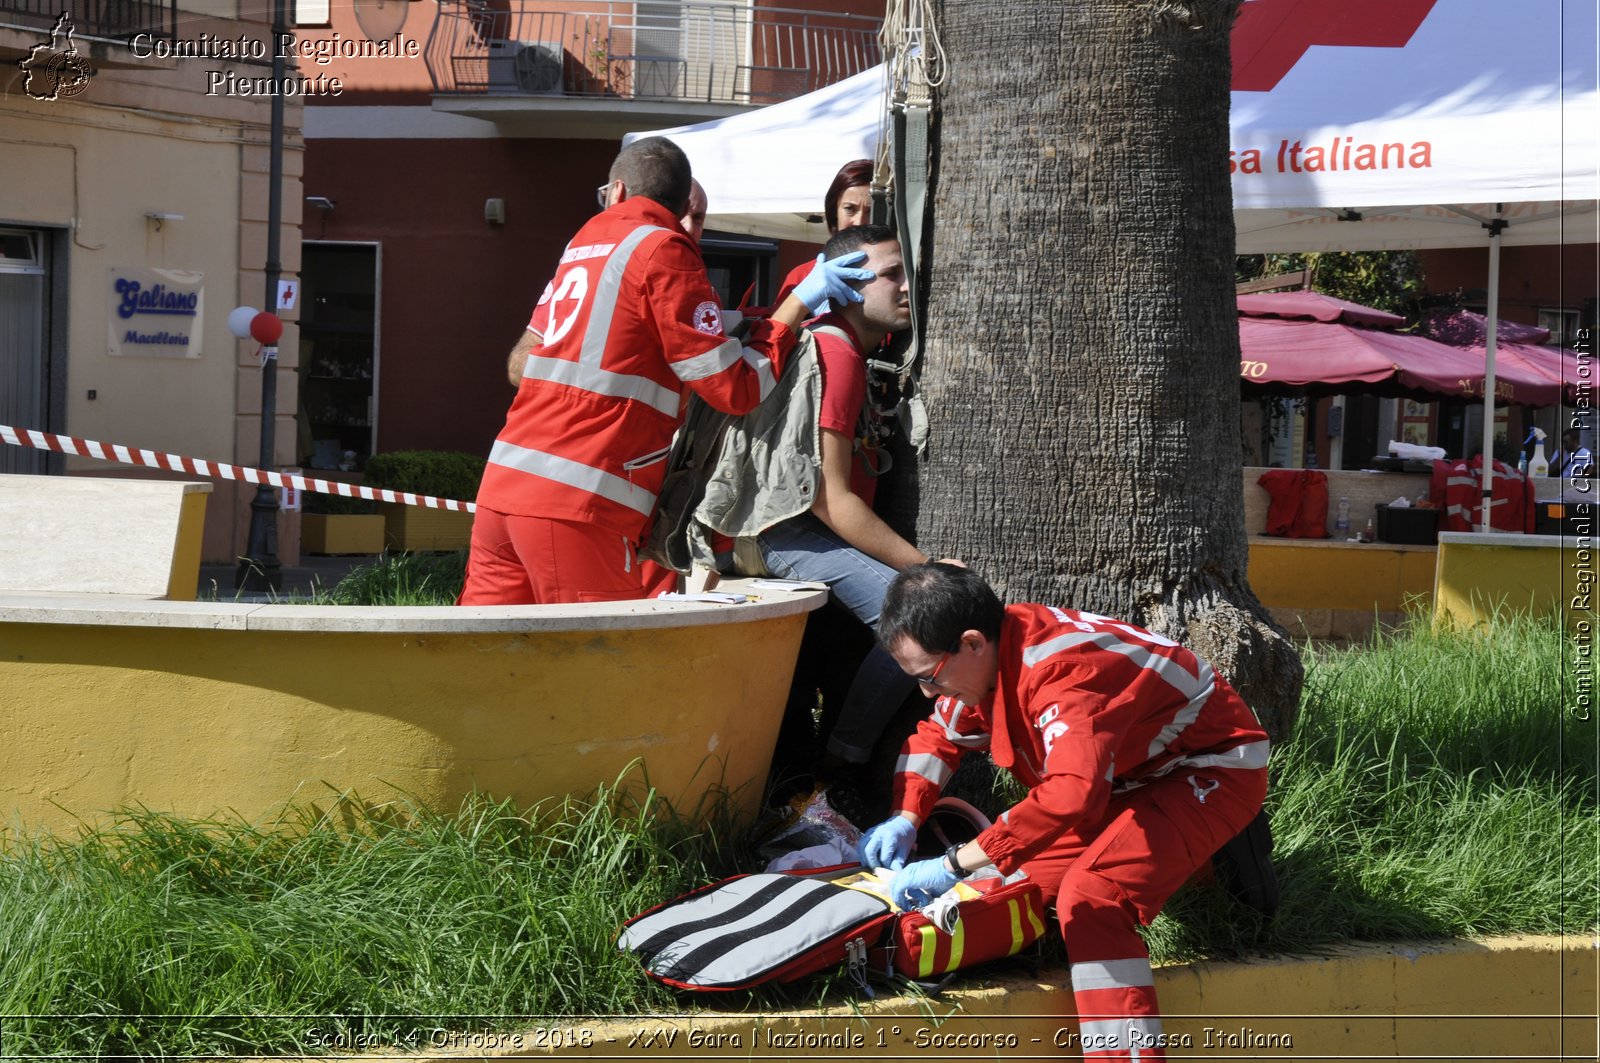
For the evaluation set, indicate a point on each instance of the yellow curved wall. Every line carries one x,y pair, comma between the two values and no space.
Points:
1479,574
196,720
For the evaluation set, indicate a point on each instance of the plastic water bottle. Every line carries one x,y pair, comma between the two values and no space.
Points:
1341,523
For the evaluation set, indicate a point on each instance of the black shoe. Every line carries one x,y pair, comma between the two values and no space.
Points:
1244,867
854,804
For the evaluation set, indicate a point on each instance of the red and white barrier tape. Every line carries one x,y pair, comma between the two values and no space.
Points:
216,470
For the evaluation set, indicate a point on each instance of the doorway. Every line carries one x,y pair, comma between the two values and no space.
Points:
338,355
25,363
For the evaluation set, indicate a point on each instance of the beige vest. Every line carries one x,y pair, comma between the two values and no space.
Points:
770,464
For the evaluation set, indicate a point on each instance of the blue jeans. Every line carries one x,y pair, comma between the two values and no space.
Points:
804,548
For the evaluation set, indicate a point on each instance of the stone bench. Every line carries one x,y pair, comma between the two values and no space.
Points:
101,535
227,708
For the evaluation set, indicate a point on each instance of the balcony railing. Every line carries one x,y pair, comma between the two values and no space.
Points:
108,20
710,51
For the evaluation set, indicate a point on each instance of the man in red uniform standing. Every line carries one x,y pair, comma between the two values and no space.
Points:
628,321
1140,763
693,223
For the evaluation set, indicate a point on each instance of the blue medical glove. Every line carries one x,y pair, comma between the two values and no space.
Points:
918,884
888,844
830,280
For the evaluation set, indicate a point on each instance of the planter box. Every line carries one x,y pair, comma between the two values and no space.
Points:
420,528
341,533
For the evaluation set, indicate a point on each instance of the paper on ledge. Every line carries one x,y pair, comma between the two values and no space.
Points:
714,597
772,584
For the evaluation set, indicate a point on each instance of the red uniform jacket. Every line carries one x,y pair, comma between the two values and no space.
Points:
1457,486
1083,705
628,320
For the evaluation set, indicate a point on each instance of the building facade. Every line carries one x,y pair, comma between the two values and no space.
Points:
134,161
448,176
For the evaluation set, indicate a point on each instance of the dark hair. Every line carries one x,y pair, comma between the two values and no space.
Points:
657,169
854,239
933,603
850,175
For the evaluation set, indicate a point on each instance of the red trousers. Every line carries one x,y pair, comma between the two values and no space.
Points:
537,561
1108,877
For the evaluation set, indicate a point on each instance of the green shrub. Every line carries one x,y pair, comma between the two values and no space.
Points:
401,579
441,473
316,502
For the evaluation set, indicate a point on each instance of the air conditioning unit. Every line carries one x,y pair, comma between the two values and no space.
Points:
526,68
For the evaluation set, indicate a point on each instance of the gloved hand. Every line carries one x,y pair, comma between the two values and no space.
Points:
916,885
830,279
888,844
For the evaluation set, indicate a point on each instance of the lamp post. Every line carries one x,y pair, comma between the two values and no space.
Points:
259,569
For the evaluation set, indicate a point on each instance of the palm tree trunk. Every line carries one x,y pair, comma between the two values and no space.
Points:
1082,364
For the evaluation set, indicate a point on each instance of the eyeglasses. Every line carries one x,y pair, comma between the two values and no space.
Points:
932,678
600,195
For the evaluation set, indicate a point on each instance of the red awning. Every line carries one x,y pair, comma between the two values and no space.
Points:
1330,358
1522,346
1314,306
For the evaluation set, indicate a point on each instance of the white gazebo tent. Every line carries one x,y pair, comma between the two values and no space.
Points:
1423,124
1454,127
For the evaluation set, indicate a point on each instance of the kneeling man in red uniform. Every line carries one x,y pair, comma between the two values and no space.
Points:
1139,759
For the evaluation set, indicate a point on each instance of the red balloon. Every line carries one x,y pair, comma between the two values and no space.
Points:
266,328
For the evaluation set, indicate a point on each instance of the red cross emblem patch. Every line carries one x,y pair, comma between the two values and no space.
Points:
708,318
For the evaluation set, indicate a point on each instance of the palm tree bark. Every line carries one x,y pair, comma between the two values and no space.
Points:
1081,367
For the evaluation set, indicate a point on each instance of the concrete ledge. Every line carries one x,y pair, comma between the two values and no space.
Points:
201,708
104,610
1517,998
101,535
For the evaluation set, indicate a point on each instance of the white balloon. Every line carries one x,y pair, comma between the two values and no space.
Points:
239,320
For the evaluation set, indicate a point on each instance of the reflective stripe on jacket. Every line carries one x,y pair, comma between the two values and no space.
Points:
629,320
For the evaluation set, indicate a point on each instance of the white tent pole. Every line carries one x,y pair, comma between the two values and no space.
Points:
1495,227
1336,444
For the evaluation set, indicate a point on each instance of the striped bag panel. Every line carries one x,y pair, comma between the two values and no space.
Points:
752,929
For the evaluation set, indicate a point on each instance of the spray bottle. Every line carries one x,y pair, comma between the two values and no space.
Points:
1538,465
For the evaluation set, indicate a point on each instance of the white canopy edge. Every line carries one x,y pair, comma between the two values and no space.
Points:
1474,110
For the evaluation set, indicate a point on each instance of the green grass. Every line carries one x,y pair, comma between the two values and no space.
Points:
326,925
392,579
400,579
1435,787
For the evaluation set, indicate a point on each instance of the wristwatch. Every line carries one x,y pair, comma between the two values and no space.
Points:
953,864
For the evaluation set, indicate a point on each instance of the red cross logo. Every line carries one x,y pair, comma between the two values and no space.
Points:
1270,36
708,318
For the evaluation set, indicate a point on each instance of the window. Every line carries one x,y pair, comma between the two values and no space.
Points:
20,252
1563,326
306,13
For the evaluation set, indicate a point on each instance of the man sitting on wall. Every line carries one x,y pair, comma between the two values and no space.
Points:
807,513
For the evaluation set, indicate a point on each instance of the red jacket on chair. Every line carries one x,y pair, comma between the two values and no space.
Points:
1299,506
